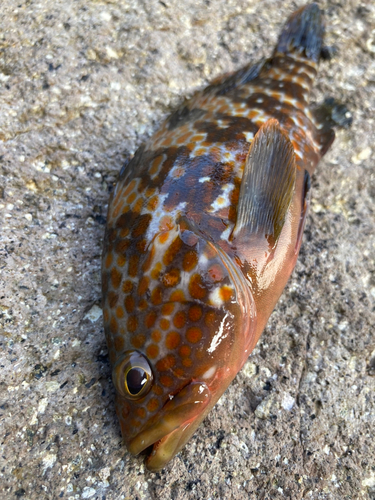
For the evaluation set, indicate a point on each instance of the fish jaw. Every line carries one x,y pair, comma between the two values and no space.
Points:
172,427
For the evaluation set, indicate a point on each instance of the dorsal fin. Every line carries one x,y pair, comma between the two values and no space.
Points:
227,82
267,184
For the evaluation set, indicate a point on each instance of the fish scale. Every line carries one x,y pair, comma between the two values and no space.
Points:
203,231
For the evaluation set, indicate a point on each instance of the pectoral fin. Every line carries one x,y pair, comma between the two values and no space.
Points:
267,184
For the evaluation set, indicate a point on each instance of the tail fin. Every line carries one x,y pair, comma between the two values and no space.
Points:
303,33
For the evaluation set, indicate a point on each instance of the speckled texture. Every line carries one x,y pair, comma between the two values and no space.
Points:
82,84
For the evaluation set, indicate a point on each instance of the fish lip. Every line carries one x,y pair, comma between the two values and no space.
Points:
172,426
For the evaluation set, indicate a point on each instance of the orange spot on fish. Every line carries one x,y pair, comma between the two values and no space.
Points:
156,336
197,289
138,206
152,351
150,319
179,372
131,198
164,324
197,138
112,299
155,165
132,324
121,260
156,295
179,319
153,203
153,405
129,188
177,296
143,285
119,312
170,254
171,278
129,303
141,246
157,390
123,233
115,277
184,351
184,138
172,340
166,380
127,286
190,261
119,344
226,293
143,304
141,226
200,152
167,309
113,325
133,265
122,246
108,260
141,412
166,224
138,340
195,313
166,363
187,362
162,238
156,271
167,142
193,334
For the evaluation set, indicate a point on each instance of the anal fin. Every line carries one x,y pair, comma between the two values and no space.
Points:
267,184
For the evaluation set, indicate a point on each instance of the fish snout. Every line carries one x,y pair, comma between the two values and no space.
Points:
173,425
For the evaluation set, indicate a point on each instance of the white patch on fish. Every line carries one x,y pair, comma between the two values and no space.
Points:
222,201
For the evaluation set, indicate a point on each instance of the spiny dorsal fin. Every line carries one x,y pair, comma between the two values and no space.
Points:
267,184
224,84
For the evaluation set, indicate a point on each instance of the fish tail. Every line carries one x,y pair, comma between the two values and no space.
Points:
302,34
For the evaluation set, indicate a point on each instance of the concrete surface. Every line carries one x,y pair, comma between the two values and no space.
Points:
83,82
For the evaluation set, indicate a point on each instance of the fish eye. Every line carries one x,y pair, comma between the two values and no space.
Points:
132,375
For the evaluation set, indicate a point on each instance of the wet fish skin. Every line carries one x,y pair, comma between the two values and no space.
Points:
204,229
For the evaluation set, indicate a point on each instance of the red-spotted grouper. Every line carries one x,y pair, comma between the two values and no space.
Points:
204,229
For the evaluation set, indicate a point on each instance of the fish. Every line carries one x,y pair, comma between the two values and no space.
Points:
203,231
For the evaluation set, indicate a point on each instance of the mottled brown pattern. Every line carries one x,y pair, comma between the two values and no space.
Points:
177,286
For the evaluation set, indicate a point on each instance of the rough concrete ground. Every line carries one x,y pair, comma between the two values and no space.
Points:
83,82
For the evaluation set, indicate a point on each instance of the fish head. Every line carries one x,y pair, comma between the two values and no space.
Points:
189,343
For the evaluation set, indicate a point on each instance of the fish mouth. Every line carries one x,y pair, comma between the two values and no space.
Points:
173,425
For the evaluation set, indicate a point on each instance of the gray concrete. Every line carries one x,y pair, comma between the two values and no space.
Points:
82,84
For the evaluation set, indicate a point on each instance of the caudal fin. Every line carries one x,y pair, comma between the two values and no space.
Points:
303,33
